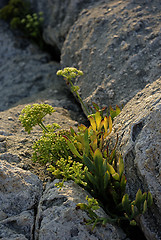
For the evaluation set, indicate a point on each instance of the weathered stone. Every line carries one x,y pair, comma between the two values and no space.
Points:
19,227
58,219
59,17
117,46
139,130
24,70
20,192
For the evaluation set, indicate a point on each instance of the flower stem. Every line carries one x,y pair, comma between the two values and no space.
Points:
43,127
72,86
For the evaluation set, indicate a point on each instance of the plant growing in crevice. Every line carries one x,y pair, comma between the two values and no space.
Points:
69,73
105,172
19,15
51,146
15,9
85,157
32,27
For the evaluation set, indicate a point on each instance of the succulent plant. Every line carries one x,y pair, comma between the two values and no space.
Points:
85,157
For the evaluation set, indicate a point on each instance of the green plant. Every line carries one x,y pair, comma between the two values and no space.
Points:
69,169
15,9
105,172
33,115
69,73
90,207
32,26
87,159
19,15
51,146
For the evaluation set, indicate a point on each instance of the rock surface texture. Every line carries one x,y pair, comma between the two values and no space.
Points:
117,44
30,74
139,130
59,17
58,219
24,70
20,192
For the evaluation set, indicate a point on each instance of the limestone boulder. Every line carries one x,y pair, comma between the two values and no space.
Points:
58,219
20,192
139,130
117,45
24,69
59,17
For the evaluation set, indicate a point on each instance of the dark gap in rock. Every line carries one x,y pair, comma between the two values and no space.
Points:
54,52
35,208
135,130
132,232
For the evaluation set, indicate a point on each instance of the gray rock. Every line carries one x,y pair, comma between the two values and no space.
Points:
24,70
59,17
117,45
19,227
58,219
139,130
28,75
20,192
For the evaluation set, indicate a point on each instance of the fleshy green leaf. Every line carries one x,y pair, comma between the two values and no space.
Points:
138,200
126,204
149,199
86,143
87,162
121,165
145,206
98,161
106,179
72,147
93,123
98,120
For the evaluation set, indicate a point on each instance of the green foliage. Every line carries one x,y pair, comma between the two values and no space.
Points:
33,115
15,9
104,111
51,146
69,169
84,156
90,207
105,172
137,207
19,15
69,73
32,26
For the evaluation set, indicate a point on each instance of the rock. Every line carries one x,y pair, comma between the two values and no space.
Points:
24,70
28,75
117,46
139,130
58,219
59,17
18,227
20,192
